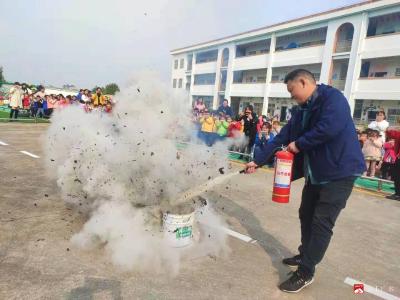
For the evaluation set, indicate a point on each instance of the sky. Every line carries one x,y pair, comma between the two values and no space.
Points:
95,42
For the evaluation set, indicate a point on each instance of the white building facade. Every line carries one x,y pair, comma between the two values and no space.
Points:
355,49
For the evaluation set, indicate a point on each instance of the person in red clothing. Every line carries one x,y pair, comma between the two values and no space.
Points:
389,159
261,121
235,128
394,133
26,101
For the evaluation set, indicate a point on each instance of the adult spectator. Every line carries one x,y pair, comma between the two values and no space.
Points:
41,92
250,126
85,97
322,137
380,124
26,89
40,109
16,95
50,105
200,106
225,109
98,98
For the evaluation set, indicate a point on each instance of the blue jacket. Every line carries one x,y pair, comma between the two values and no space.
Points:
329,139
261,141
225,110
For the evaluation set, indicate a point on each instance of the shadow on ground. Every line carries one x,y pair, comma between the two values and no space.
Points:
274,248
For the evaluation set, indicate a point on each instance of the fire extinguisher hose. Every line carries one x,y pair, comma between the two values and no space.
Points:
268,158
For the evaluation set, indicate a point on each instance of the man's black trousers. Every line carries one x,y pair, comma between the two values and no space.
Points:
319,209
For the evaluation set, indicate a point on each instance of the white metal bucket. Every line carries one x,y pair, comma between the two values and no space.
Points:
178,229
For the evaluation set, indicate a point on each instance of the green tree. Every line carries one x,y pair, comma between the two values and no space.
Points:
96,87
111,89
2,79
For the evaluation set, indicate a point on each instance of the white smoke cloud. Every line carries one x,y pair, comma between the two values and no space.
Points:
125,169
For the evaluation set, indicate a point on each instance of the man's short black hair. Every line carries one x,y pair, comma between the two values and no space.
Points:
225,100
297,73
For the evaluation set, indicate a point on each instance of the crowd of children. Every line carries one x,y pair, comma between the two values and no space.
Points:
35,102
214,126
378,148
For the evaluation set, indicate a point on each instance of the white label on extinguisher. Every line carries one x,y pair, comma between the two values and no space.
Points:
283,173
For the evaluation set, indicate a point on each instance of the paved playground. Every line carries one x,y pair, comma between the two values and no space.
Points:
37,260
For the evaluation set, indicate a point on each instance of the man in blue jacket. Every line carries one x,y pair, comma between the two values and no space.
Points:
322,135
225,109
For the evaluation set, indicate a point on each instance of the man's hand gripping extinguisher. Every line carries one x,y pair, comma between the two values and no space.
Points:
282,174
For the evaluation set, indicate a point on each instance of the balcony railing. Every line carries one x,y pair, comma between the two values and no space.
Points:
206,60
254,53
294,45
343,46
339,84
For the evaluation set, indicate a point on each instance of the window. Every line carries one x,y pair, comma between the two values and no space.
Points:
180,83
380,74
204,79
393,114
371,115
358,109
182,63
176,64
365,69
274,78
254,48
207,100
261,78
174,83
207,56
385,24
250,76
301,39
317,75
190,61
397,72
225,57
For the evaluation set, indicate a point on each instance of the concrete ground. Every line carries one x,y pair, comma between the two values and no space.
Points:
37,260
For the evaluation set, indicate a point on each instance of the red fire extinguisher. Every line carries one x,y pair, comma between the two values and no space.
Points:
283,176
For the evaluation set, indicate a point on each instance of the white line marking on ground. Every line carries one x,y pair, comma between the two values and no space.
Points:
372,290
3,144
238,235
30,154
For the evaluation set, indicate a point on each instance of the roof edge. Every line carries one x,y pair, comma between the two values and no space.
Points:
277,24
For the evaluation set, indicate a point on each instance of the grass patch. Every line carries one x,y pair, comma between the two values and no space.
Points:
5,117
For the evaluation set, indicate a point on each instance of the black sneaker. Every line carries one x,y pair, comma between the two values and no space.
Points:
292,261
296,282
393,197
